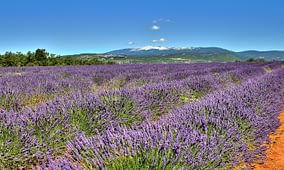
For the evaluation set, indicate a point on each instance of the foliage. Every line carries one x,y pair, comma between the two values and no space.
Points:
256,60
42,58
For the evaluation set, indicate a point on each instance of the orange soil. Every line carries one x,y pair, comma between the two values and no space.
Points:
275,152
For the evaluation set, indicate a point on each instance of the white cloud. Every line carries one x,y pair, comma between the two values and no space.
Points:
162,39
131,43
146,48
155,27
159,40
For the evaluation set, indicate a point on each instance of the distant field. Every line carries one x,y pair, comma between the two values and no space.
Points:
156,116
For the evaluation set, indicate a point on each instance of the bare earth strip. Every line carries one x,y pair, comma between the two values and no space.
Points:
275,153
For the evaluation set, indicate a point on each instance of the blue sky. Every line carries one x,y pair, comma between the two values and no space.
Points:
75,26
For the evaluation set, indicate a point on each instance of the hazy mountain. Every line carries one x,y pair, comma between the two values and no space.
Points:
267,55
158,54
153,51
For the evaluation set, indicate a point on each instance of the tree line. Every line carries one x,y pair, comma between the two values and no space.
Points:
42,58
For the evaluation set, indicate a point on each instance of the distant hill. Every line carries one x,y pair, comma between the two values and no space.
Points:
154,51
154,54
267,55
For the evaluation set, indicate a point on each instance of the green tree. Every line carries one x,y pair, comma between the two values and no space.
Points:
30,58
8,59
41,57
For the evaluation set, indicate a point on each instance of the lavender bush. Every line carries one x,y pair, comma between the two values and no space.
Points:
197,116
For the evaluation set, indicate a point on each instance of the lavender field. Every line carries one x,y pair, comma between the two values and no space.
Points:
175,116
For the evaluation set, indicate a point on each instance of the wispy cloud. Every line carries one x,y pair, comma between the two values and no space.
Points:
162,39
131,43
159,40
155,27
155,21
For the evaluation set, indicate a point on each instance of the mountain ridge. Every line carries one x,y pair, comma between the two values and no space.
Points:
159,54
158,50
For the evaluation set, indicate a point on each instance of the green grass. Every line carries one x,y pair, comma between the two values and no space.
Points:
153,159
87,121
7,102
66,75
123,108
117,83
234,78
137,83
52,135
179,98
11,149
21,101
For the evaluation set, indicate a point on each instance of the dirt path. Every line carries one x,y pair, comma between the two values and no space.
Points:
275,153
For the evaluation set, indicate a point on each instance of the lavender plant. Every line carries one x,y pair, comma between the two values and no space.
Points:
197,116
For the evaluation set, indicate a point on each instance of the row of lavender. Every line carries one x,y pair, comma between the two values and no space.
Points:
23,87
41,134
222,130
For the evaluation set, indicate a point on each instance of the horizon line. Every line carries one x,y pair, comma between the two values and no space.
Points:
106,51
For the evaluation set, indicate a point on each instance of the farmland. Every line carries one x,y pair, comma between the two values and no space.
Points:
171,116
